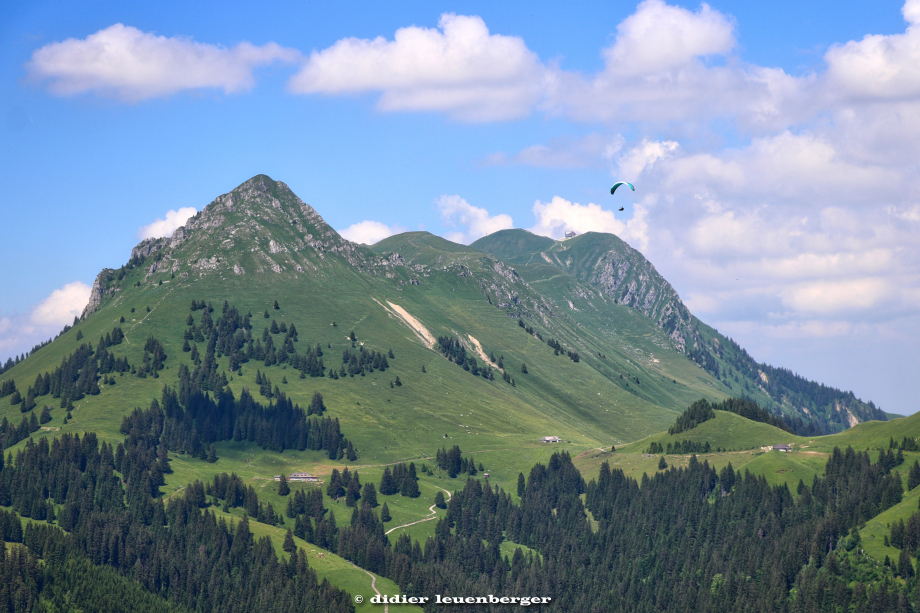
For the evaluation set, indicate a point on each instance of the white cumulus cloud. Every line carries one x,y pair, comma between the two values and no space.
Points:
475,221
558,216
62,305
459,69
166,226
125,63
368,232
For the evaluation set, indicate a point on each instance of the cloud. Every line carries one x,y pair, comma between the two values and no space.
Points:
669,64
878,66
476,221
832,296
659,37
62,305
369,232
166,226
644,155
590,150
125,63
20,332
459,69
558,216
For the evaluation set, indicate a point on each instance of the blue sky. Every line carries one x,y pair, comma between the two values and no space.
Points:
773,147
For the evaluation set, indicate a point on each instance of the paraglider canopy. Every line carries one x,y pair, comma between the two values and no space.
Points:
619,183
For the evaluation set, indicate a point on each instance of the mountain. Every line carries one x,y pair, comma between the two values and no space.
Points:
607,263
257,342
605,338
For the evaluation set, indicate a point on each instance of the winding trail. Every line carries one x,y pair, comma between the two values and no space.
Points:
386,607
431,514
137,323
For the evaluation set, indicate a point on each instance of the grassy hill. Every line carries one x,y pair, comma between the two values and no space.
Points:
260,246
606,263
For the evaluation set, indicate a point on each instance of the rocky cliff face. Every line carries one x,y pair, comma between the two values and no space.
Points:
261,227
630,279
625,275
99,291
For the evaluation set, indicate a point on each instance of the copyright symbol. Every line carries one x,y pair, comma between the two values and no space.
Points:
359,598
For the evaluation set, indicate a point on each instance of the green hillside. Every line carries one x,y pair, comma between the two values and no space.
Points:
727,431
223,335
608,264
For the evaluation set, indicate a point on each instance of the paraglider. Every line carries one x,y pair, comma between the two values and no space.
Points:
619,183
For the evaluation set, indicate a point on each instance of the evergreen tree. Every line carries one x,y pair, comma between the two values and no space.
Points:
662,464
289,545
334,489
45,416
398,382
385,513
388,485
276,305
350,452
520,485
283,489
317,406
370,495
523,368
913,476
352,493
439,500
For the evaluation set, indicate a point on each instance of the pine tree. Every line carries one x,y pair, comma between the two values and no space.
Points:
283,489
317,406
409,486
212,454
46,415
385,513
289,545
905,566
388,485
352,493
276,305
520,485
334,489
265,315
662,464
913,476
370,495
439,500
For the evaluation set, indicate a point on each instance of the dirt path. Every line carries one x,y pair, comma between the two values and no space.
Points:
431,515
386,607
136,324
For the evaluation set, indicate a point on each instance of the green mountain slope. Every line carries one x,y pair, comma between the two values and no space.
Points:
608,264
260,244
414,344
